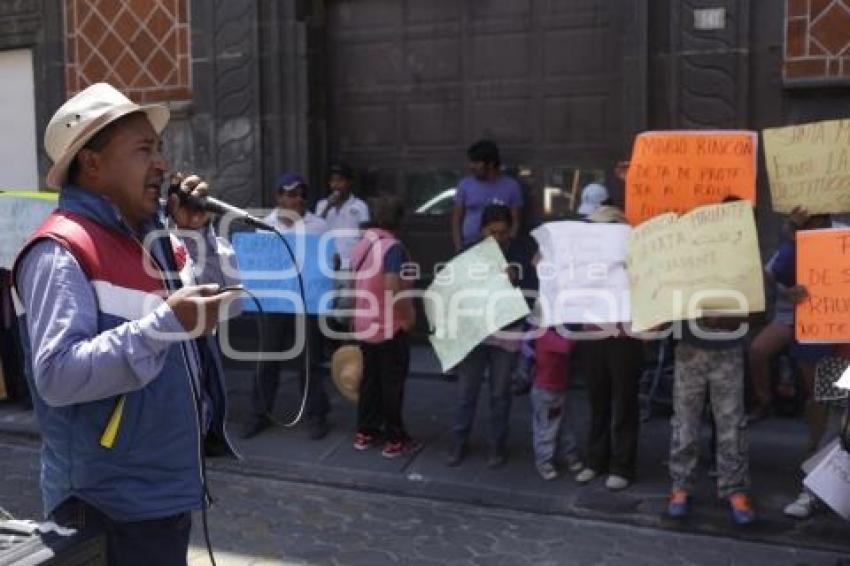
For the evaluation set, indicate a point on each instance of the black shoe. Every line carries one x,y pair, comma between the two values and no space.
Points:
456,456
255,427
520,388
215,447
318,428
497,459
759,413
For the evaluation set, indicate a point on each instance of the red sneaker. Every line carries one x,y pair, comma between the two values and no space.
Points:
401,448
363,441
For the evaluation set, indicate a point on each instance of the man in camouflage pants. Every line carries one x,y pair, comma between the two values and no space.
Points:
706,358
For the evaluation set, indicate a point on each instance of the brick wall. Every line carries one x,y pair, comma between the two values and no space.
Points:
817,41
139,46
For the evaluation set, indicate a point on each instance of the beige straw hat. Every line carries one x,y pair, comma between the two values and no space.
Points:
84,115
347,371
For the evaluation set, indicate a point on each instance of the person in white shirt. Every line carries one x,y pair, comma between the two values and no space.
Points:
343,212
279,329
291,212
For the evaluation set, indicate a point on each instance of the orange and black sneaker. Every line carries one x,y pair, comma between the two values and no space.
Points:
679,505
742,509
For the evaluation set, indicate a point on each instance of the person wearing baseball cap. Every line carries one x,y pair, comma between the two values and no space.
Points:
125,375
291,212
593,196
344,212
279,329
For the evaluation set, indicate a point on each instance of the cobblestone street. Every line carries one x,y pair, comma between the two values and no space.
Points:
265,521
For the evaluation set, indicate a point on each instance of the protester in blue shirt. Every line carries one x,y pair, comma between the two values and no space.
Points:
783,270
485,185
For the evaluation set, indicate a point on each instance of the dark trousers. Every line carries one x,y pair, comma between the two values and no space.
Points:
279,336
498,365
379,407
139,543
612,368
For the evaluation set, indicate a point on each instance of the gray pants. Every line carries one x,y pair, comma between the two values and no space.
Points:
722,373
553,424
498,364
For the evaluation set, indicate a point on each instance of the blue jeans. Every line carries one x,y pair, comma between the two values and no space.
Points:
499,365
138,543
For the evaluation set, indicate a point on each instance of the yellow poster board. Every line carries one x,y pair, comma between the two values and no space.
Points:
708,260
808,165
678,171
823,267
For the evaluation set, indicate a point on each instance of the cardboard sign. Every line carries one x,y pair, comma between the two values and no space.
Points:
681,170
582,273
266,269
823,267
470,299
809,165
830,480
20,214
705,261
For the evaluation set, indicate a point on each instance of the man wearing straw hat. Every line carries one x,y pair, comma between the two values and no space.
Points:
127,382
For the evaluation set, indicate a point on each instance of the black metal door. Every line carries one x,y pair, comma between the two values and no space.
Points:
413,82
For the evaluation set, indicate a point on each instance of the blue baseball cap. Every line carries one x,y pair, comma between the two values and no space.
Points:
289,181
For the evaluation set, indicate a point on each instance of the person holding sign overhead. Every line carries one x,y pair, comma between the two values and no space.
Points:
613,365
290,215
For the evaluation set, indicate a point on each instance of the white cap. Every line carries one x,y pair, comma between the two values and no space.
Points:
592,197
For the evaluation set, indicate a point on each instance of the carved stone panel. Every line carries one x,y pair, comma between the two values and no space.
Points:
709,67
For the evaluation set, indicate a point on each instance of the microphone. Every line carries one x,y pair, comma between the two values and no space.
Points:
220,207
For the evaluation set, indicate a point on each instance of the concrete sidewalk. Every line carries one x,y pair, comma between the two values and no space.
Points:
776,449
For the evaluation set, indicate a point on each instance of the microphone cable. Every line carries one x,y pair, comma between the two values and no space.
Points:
307,362
208,499
261,320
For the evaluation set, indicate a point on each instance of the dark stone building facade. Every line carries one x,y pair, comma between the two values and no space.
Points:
399,88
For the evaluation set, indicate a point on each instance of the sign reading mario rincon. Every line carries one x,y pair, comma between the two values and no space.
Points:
677,171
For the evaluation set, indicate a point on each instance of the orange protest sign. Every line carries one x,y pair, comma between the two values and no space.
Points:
823,266
680,170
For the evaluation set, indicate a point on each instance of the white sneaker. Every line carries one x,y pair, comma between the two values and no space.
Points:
575,466
585,476
802,507
547,471
616,483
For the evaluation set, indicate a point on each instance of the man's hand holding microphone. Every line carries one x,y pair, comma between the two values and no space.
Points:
197,307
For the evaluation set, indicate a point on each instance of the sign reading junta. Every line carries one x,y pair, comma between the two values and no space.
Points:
808,165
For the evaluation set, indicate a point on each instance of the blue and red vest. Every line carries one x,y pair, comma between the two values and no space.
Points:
153,469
